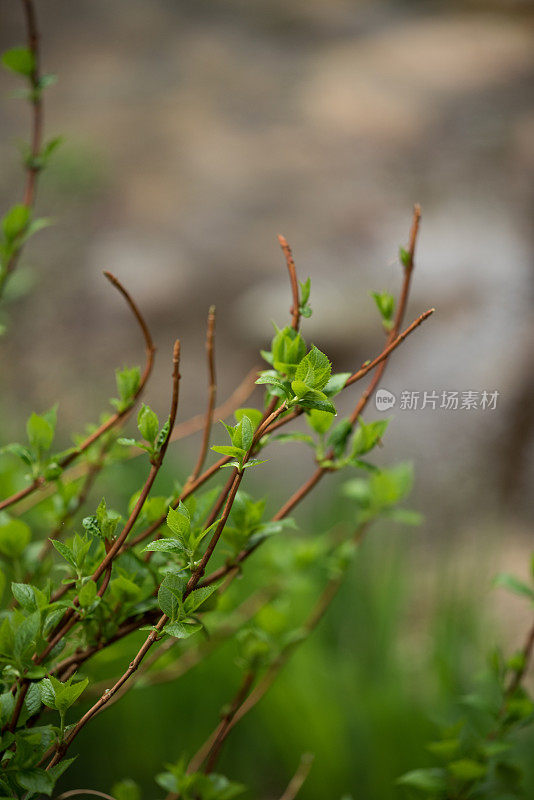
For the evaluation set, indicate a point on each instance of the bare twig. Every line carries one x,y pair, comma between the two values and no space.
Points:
295,308
84,793
210,750
32,168
212,393
297,781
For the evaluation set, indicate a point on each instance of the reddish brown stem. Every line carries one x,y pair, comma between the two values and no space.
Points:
32,168
212,393
295,308
210,750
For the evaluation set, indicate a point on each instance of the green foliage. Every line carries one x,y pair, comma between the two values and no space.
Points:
20,60
385,303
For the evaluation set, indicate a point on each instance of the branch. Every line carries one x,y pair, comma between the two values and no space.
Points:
297,781
295,308
210,750
114,419
304,490
32,35
71,616
212,393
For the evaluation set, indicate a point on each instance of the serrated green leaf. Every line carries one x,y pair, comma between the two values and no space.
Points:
199,596
181,630
165,546
314,370
170,595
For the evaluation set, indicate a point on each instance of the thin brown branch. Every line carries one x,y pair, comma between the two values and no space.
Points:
210,750
32,168
114,419
295,308
519,674
133,666
297,781
94,469
370,365
212,393
83,793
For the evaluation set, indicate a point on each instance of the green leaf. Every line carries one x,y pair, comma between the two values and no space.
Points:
163,435
199,596
288,348
15,221
148,424
35,226
254,415
19,59
61,696
64,551
48,696
319,421
317,400
21,452
314,370
305,288
165,546
128,381
37,781
46,80
126,790
404,257
385,303
389,486
181,630
366,437
24,594
266,378
87,594
14,538
229,450
179,521
506,581
170,595
40,432
247,432
466,769
339,436
294,437
336,383
426,780
26,635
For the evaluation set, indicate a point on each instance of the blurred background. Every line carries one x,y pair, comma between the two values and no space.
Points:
195,131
